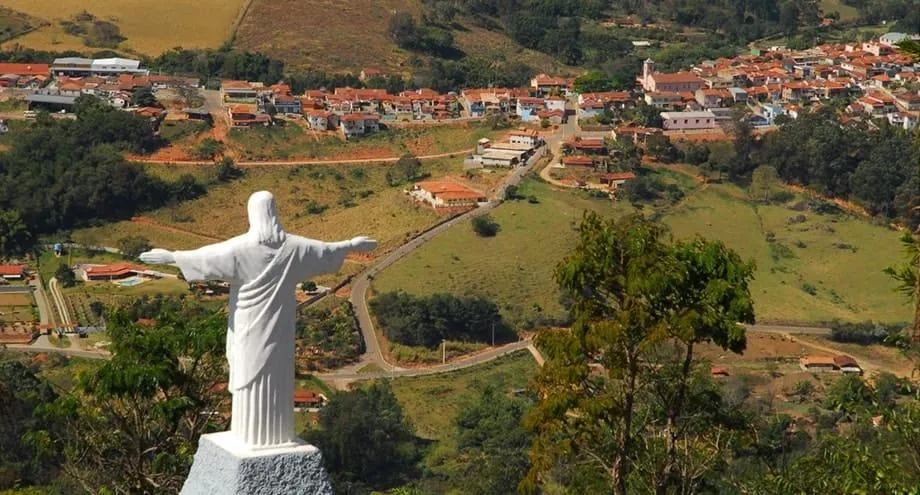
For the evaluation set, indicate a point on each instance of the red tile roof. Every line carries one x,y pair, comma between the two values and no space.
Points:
236,85
620,176
305,397
817,361
677,77
354,117
847,361
26,69
449,190
12,270
578,160
113,270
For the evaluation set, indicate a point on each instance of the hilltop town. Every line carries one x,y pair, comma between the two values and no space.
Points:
716,247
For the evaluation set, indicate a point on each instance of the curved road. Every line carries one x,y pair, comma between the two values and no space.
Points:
358,297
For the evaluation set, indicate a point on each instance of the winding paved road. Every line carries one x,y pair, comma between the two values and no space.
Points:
372,353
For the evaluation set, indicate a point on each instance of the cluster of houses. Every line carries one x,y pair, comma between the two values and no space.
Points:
880,82
59,84
354,112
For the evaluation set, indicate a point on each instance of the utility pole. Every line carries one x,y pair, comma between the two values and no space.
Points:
443,351
493,334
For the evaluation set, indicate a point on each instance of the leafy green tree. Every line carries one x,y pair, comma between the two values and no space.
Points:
907,275
493,443
144,97
65,275
209,148
227,170
366,440
593,81
633,292
407,169
309,286
511,192
21,460
485,226
132,246
132,425
15,238
764,181
850,394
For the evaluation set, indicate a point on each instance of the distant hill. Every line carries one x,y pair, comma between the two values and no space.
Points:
348,35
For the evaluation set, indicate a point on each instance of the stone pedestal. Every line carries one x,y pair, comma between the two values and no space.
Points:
224,466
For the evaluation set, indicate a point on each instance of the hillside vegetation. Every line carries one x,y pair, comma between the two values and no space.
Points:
815,268
149,28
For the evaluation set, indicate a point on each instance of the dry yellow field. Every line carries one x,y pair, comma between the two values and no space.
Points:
150,27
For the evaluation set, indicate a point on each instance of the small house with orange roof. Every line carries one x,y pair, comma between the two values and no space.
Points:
13,272
446,194
238,91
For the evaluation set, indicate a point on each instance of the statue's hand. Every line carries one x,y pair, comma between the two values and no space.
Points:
363,244
158,257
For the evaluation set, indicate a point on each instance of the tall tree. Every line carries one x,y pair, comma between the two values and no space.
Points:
366,439
132,425
617,278
15,238
633,292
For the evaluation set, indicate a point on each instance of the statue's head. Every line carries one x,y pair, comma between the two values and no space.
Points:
264,226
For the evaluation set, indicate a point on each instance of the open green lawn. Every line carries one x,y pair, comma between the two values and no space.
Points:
432,402
847,12
515,267
839,258
836,275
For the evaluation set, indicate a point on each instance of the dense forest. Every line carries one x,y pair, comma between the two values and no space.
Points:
60,174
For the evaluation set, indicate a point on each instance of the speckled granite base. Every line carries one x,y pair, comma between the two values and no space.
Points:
221,467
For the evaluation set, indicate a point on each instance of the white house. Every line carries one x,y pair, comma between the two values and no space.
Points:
445,194
528,108
771,112
321,120
688,120
530,138
357,124
555,103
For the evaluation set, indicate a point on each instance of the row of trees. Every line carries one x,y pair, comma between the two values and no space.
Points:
427,320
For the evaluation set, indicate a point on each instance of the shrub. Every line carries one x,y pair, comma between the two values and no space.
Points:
867,333
809,288
485,226
314,208
208,148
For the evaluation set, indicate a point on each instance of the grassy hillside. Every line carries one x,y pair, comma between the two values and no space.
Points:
150,27
826,267
453,391
14,23
348,35
356,197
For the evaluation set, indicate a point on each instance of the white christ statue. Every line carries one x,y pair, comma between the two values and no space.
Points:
263,267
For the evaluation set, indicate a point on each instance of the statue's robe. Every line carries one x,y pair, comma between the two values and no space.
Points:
260,333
